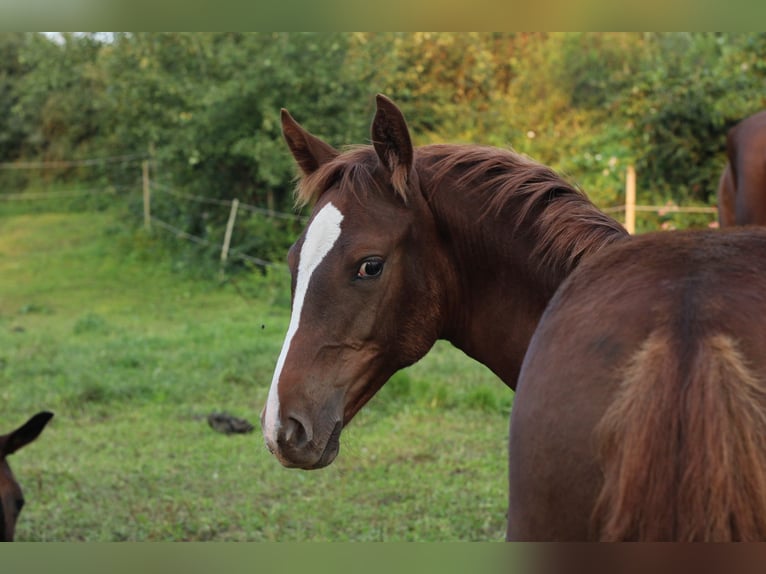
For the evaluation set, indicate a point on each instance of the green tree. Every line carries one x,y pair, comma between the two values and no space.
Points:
206,106
55,103
12,69
692,89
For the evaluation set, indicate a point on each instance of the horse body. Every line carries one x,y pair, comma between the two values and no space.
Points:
742,194
11,498
640,412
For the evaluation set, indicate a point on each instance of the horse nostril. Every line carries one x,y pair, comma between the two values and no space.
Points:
297,434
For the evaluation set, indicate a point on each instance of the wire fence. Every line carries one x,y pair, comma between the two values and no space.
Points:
630,207
165,188
152,187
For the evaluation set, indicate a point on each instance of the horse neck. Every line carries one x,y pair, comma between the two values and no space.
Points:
494,302
504,271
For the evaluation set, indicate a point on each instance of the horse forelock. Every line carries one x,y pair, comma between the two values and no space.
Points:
356,170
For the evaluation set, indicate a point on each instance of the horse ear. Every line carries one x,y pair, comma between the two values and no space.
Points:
391,139
308,150
26,433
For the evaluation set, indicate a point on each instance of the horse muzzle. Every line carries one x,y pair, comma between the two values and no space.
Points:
297,445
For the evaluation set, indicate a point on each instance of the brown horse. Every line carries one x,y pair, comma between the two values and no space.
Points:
406,246
726,198
640,412
11,498
742,188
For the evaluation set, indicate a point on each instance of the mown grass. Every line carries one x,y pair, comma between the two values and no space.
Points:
98,325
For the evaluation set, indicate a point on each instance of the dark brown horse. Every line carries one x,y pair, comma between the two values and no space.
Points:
11,498
742,188
406,246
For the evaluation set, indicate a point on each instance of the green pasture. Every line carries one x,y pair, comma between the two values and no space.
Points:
99,324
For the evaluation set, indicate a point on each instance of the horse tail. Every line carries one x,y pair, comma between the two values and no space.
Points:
683,446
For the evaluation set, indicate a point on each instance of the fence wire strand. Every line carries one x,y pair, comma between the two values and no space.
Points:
58,164
227,202
188,196
179,232
32,195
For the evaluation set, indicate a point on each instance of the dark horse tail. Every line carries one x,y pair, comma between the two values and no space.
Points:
683,447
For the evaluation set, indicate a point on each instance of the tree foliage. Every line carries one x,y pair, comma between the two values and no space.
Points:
692,89
206,106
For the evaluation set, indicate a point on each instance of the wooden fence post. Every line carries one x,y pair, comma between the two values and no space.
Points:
227,235
147,196
630,200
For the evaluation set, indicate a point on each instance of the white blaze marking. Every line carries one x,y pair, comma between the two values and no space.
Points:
320,238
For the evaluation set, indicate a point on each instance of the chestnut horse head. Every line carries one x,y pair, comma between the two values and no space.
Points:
11,497
405,246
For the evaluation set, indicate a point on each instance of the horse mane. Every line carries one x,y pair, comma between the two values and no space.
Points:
528,197
563,223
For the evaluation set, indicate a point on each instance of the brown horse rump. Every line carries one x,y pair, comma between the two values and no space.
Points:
640,412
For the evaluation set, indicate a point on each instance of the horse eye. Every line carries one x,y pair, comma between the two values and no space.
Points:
370,268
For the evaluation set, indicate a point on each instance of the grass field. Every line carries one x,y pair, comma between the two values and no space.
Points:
98,325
